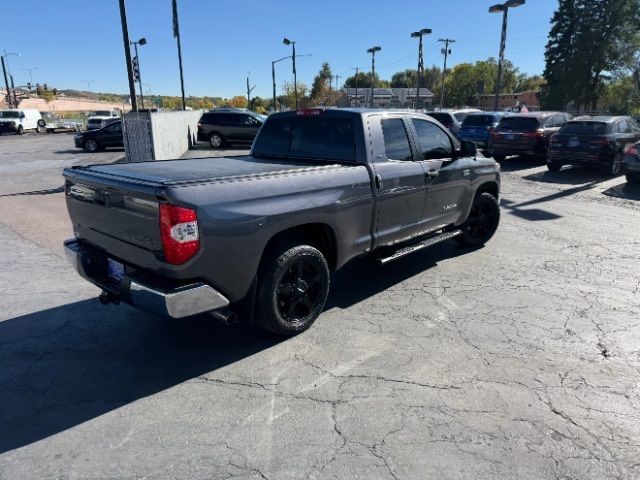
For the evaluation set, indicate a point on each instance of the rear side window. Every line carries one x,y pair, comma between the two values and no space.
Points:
478,120
210,118
519,124
433,142
396,141
583,128
460,116
443,118
311,137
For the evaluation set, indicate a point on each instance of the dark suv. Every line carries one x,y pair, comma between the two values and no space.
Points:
525,134
596,141
226,126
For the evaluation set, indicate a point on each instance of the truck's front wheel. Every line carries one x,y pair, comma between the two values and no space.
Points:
293,284
482,221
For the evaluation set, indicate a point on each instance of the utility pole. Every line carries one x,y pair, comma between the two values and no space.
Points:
176,35
127,55
357,70
446,50
249,90
286,41
6,82
337,82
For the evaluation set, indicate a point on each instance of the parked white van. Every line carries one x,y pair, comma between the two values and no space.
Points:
18,120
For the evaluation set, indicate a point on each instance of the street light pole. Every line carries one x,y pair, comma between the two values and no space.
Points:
142,41
504,8
286,41
30,75
273,75
446,52
357,69
373,51
419,34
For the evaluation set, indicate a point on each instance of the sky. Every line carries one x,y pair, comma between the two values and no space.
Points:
75,41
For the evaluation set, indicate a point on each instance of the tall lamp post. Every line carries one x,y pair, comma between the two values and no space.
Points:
373,51
504,8
136,69
286,41
419,35
273,75
30,75
11,96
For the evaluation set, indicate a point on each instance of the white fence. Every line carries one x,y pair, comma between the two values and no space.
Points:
159,135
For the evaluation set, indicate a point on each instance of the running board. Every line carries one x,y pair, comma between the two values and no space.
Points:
414,248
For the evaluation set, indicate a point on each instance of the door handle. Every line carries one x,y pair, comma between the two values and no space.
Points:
431,174
379,182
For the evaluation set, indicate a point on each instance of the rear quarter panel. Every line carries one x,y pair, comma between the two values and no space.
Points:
238,217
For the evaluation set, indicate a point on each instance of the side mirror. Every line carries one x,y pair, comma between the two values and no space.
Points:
468,149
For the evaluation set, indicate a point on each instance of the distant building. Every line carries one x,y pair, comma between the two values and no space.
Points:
387,97
509,100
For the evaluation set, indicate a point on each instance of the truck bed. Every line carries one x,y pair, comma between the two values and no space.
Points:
198,170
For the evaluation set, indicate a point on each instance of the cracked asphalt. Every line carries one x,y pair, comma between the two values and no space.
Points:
520,360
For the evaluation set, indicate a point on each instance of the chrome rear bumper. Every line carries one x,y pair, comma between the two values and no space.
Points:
176,302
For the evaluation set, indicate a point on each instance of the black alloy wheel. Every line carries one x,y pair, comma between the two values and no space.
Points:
292,289
482,222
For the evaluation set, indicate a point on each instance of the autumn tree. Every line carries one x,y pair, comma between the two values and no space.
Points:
238,102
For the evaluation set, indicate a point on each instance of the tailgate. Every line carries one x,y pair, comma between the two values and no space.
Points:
115,209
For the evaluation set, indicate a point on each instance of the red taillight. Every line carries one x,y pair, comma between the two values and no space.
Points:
179,233
599,141
632,150
536,133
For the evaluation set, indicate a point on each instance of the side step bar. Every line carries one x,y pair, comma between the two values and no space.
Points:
424,244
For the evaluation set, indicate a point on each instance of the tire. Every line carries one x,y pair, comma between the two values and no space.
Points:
41,123
482,222
616,166
216,140
554,166
20,130
90,145
293,284
498,157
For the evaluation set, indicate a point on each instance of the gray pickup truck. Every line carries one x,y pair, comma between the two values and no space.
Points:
261,233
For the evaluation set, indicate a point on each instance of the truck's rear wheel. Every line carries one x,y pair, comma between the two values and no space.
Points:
293,284
482,222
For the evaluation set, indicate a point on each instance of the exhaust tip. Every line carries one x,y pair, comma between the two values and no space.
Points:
225,315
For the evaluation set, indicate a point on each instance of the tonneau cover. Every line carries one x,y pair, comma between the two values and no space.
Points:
200,169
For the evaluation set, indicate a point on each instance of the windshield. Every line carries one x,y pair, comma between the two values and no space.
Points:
311,137
460,116
9,114
584,128
101,113
443,118
519,124
479,120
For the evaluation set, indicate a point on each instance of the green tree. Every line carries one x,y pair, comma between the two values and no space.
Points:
529,83
589,40
364,81
320,89
407,78
288,97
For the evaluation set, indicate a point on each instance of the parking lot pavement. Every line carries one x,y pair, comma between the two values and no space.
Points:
517,360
